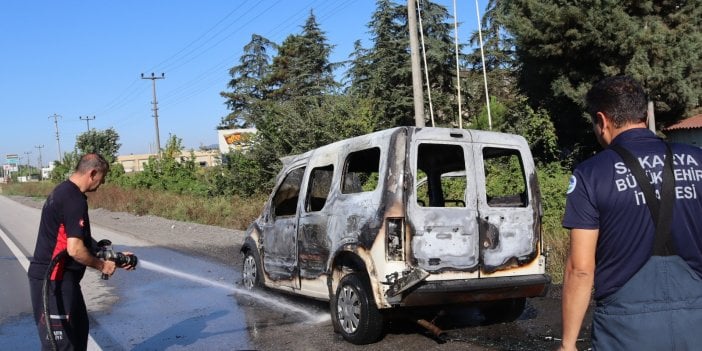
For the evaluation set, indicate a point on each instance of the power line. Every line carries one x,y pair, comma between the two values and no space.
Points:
204,81
193,50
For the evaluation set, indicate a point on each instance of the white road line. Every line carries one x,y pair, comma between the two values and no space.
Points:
15,250
92,345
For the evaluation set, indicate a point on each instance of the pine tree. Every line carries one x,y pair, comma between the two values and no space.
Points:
386,72
565,47
302,66
500,61
358,74
383,73
247,83
437,27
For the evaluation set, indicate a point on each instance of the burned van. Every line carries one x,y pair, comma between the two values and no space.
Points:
403,218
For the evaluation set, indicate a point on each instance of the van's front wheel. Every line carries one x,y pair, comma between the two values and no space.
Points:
354,313
251,270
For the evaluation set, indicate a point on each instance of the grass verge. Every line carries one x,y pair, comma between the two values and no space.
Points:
236,212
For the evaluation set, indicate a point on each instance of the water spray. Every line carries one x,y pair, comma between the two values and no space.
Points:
270,301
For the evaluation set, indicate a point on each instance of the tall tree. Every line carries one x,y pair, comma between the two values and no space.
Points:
500,61
384,73
565,46
247,83
439,47
302,66
358,73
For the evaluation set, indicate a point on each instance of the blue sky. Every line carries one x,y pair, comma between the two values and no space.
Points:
83,59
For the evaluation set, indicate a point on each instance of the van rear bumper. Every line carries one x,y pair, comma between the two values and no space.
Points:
443,292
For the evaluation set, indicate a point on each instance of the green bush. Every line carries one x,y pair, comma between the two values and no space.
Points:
553,182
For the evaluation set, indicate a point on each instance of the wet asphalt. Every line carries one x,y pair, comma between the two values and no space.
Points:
177,300
172,301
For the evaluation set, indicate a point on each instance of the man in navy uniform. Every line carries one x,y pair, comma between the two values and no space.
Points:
648,296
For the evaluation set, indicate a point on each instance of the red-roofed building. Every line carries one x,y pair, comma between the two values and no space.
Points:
688,131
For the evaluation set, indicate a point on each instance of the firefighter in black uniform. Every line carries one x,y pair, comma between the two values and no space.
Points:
65,226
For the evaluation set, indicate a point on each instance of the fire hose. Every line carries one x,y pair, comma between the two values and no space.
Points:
105,253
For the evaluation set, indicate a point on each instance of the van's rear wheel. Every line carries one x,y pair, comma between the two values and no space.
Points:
354,313
251,270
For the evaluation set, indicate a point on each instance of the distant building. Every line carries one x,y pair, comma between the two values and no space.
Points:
135,163
688,131
235,139
46,171
207,156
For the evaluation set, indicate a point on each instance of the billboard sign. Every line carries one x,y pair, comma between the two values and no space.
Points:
235,139
11,160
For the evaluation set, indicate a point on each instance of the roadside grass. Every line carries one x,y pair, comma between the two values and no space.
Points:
556,241
37,190
230,212
237,213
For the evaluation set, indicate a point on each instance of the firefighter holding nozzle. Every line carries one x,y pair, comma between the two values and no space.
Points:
63,250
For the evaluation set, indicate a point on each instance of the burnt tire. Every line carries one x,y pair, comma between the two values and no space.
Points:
251,275
354,313
504,311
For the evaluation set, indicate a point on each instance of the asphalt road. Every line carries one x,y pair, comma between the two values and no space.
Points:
184,296
171,301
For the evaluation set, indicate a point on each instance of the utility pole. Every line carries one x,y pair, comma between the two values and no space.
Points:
418,94
58,143
39,147
87,119
155,109
27,153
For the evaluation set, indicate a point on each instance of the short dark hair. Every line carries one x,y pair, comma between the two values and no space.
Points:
621,98
92,161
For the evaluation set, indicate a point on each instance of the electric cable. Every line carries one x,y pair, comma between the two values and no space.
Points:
426,67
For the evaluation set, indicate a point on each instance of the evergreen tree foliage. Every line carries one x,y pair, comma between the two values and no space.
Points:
383,73
302,66
358,74
247,83
439,49
386,77
563,47
498,45
500,63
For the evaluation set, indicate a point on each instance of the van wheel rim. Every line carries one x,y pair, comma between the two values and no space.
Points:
348,309
249,272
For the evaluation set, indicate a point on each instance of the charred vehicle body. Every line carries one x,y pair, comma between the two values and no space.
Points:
404,217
